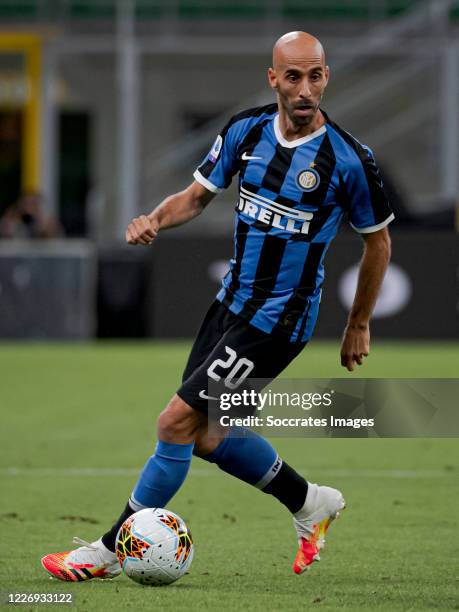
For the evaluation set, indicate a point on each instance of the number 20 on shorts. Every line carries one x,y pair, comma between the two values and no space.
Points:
240,369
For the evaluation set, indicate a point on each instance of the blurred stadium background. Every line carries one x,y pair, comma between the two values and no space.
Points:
107,106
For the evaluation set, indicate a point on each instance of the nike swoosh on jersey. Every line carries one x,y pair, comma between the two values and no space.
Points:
246,157
203,395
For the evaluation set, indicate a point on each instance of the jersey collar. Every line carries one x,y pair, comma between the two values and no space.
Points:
290,144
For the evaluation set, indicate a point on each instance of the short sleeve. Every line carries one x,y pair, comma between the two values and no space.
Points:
369,208
220,164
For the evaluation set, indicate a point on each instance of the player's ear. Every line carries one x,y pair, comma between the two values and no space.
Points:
272,78
327,74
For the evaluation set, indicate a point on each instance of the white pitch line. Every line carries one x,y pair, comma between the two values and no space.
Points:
82,471
200,472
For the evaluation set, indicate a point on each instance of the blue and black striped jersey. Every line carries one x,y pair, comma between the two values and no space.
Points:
292,198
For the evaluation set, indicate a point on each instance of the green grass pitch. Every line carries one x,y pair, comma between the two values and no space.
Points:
78,421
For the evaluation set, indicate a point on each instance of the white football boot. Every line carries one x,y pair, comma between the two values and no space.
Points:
322,505
84,563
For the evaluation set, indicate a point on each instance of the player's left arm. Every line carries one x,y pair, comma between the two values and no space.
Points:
369,214
356,339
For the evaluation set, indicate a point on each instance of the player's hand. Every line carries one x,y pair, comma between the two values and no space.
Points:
141,230
355,346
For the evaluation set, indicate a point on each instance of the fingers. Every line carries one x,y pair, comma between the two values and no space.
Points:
140,231
349,360
354,348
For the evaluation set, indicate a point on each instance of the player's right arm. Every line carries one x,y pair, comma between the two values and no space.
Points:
212,176
174,210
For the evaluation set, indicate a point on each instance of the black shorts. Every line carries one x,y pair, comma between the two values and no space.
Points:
228,348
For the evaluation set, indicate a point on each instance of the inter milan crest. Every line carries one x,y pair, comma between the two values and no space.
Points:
308,180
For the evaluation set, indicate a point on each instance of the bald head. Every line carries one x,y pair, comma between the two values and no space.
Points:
299,77
297,47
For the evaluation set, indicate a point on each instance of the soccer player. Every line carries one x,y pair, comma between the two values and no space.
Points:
299,174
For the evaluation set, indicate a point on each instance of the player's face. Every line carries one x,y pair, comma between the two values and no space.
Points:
300,88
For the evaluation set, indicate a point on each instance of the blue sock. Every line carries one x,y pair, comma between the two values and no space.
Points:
248,457
162,476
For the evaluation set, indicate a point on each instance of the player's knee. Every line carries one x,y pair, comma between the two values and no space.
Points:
205,443
208,437
178,422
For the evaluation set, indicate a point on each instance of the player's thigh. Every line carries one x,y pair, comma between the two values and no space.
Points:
243,353
208,336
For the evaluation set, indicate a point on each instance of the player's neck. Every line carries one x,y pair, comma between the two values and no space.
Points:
292,132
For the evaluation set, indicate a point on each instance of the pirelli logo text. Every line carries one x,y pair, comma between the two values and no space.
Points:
274,214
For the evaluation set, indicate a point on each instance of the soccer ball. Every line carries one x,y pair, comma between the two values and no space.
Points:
154,547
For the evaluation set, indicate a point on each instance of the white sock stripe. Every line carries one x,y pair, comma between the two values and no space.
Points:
135,505
273,470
